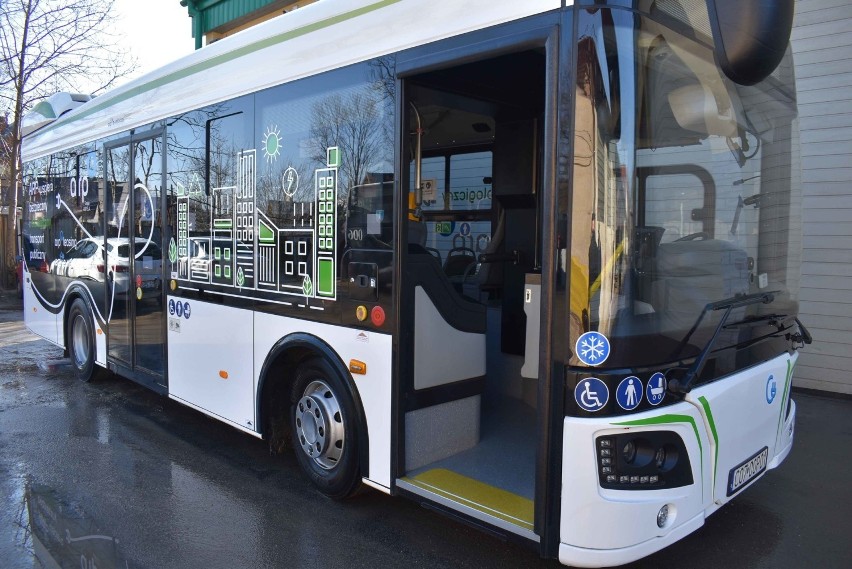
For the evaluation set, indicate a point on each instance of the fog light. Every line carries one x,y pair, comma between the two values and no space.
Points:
663,516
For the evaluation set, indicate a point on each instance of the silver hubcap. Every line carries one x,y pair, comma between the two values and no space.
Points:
80,340
319,424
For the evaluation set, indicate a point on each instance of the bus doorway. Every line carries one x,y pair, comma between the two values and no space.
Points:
134,260
472,257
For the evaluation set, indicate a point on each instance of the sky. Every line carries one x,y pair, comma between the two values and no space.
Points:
157,31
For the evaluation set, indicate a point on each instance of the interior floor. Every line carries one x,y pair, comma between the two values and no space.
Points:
497,476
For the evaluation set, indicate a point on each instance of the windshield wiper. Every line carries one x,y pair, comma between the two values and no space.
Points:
776,320
684,385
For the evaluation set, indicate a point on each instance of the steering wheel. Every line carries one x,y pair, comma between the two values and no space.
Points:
693,236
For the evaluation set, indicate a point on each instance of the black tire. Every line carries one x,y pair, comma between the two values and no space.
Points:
80,339
323,429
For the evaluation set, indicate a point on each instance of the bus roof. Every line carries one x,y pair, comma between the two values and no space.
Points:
319,37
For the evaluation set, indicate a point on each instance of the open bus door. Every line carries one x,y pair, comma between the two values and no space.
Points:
475,425
134,260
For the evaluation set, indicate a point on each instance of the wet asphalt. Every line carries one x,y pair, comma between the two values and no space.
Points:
109,474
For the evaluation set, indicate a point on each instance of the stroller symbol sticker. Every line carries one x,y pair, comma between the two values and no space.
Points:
656,390
591,394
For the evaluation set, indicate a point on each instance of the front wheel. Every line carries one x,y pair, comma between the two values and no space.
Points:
323,427
80,339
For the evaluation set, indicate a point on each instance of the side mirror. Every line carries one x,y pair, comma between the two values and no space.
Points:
751,36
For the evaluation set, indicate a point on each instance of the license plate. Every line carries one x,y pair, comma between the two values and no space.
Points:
753,466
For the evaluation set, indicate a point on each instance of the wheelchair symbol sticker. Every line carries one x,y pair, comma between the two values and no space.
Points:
592,348
591,394
656,390
628,394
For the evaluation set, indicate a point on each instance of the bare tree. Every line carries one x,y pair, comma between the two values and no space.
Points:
48,46
351,123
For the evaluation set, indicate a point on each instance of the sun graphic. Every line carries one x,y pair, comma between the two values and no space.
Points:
271,143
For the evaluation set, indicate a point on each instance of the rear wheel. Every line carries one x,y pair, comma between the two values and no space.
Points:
322,417
80,336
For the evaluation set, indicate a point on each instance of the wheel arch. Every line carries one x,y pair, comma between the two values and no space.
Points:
278,373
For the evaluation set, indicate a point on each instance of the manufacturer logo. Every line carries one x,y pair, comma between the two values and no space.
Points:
771,389
740,475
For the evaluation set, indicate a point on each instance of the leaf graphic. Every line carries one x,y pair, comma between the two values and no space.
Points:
308,286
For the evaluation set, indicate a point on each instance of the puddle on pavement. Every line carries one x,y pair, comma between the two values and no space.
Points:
62,535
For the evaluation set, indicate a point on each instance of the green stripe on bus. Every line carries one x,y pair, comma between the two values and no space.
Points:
669,419
220,59
706,405
784,398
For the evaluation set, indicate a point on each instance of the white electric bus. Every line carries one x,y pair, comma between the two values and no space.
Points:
532,264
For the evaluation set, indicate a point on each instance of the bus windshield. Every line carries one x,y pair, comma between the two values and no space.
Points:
682,189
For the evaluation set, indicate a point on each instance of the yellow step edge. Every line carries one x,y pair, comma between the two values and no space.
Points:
482,497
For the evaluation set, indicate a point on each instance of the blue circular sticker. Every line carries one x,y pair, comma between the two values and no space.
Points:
186,310
656,390
771,389
179,309
591,394
628,394
464,229
172,306
592,348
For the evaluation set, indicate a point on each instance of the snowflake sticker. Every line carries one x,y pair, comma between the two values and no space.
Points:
592,348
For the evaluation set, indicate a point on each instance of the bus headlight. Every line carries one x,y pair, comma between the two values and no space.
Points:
643,461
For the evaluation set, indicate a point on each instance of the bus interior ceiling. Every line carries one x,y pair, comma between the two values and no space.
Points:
481,129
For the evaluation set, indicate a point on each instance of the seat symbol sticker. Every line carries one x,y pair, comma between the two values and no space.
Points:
591,394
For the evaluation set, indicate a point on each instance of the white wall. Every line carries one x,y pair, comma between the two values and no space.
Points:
822,47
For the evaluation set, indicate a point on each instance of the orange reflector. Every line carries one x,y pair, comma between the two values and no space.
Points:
223,374
358,367
361,313
100,331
